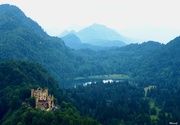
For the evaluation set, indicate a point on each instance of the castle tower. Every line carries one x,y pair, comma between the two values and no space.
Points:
32,93
52,102
37,105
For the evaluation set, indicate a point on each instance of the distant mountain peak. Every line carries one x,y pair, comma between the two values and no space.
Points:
101,28
66,32
98,26
98,31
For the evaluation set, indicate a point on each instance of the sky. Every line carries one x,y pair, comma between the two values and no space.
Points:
156,20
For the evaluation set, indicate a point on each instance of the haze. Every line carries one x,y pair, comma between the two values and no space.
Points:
156,20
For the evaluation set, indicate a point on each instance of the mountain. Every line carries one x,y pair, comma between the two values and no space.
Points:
73,41
97,31
23,39
66,32
169,60
97,34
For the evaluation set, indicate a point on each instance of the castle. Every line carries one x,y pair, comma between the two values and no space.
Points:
43,100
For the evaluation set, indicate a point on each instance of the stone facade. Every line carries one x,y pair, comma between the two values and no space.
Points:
43,100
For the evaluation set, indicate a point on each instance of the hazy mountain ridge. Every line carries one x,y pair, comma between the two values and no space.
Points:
67,32
99,35
71,38
73,41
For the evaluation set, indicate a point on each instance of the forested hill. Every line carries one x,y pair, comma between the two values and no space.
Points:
12,19
149,61
23,39
17,78
125,60
153,67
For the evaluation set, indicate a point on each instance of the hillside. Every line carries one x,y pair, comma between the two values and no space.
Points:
17,79
23,39
151,66
152,60
12,18
125,60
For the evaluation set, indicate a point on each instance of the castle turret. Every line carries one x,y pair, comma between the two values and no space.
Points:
32,93
46,90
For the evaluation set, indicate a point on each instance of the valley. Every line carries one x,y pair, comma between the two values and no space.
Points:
146,88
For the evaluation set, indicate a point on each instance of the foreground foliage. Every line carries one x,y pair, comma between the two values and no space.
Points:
16,80
65,115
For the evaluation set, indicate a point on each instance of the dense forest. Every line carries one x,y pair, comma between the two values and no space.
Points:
150,95
126,103
17,80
